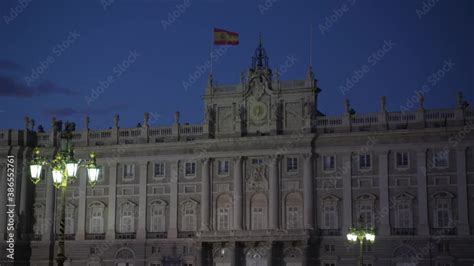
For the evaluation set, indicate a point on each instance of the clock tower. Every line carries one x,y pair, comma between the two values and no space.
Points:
261,104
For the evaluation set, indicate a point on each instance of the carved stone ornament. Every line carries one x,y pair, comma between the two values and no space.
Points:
257,180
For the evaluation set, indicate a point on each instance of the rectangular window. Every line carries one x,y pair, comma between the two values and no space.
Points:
404,215
366,213
443,214
329,163
223,167
257,161
330,215
190,169
128,172
440,158
257,218
223,216
159,169
291,164
293,217
365,161
402,159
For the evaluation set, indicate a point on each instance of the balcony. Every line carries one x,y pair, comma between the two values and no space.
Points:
156,235
95,236
448,231
125,236
66,237
403,231
186,234
329,232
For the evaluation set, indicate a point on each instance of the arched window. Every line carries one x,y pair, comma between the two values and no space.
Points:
330,213
69,220
293,211
127,217
39,219
96,216
224,212
403,211
158,216
258,206
124,257
188,214
442,210
366,210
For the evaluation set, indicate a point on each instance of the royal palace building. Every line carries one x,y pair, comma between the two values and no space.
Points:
266,179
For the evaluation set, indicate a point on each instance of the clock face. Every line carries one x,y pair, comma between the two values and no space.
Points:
258,111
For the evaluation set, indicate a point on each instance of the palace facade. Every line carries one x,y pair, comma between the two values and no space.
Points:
267,179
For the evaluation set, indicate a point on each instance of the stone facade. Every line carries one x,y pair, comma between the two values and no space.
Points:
266,180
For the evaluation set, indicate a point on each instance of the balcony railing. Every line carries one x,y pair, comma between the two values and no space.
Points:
95,236
151,235
443,231
403,231
66,237
186,234
329,232
125,235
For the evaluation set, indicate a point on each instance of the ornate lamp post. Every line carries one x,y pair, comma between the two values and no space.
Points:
64,171
361,235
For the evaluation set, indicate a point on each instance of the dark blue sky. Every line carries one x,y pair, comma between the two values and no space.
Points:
99,38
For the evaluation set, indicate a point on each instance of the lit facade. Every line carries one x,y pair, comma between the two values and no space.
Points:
267,179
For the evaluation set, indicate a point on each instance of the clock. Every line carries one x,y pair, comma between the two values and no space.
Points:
258,111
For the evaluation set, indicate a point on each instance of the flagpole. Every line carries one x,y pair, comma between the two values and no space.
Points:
210,53
311,46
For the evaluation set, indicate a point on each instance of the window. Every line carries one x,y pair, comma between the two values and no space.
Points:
442,213
259,212
127,219
329,163
223,167
328,263
96,218
128,172
329,217
257,161
364,161
159,169
329,248
293,211
366,210
402,159
101,177
404,216
291,164
188,222
190,169
223,218
440,158
443,247
69,220
158,217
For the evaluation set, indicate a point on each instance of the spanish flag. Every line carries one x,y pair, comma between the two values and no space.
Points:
223,37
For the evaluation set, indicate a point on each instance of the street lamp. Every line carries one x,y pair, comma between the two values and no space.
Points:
360,235
64,171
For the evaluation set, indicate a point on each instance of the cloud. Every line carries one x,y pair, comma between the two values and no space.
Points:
68,111
9,65
10,88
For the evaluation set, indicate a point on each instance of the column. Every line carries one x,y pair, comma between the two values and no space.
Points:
346,173
384,227
81,222
142,207
238,193
423,224
49,211
112,205
308,191
273,195
3,201
24,172
173,225
463,223
205,195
